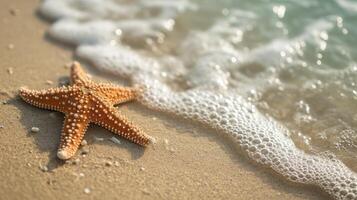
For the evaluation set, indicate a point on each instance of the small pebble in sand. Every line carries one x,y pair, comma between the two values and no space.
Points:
87,190
142,168
35,129
85,150
1,126
49,82
154,118
153,140
98,139
108,163
44,168
81,175
51,182
115,140
166,141
84,142
11,46
10,70
13,11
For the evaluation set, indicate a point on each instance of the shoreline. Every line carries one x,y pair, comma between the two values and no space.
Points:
188,161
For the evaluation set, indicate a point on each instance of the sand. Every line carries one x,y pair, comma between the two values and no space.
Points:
187,162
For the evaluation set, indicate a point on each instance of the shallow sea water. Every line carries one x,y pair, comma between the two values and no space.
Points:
279,77
298,64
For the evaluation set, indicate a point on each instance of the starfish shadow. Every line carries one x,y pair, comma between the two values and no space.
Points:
49,123
100,136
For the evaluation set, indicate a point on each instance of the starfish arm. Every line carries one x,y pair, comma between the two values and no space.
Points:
78,76
52,99
115,94
74,128
108,117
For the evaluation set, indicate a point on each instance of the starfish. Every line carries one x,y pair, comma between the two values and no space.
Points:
84,102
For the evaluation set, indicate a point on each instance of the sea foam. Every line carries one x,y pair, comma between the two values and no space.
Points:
101,31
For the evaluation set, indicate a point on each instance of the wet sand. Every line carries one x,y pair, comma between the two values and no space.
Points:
187,162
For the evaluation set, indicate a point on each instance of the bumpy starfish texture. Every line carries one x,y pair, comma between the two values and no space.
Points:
84,102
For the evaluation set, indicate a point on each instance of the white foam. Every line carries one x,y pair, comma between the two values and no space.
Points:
348,5
205,61
264,140
76,33
119,60
86,9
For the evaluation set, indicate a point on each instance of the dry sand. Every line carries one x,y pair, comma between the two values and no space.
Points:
187,162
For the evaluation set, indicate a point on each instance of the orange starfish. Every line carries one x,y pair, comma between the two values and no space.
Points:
82,102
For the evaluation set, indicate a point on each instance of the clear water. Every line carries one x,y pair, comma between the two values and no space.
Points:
297,63
299,66
271,74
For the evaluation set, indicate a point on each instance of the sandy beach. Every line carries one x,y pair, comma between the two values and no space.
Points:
187,162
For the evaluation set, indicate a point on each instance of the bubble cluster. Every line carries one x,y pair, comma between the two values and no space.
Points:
264,140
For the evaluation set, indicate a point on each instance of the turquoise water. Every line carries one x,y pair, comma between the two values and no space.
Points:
303,69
